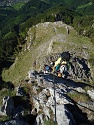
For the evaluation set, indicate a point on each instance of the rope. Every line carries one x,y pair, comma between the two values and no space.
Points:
54,101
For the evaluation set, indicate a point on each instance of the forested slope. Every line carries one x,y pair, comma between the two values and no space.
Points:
16,20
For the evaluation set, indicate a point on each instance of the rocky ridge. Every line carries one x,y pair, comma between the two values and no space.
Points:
46,39
51,97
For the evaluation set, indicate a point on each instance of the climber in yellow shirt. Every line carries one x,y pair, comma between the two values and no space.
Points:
58,63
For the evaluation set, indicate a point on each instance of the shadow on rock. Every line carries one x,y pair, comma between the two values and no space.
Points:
54,79
78,115
19,100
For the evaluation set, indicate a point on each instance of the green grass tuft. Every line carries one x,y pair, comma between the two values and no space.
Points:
49,122
79,97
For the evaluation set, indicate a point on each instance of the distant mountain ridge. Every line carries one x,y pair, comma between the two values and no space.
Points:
81,5
10,2
67,2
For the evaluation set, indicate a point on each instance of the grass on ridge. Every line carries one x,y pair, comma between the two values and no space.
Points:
79,97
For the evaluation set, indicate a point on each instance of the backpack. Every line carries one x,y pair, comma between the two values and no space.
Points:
57,67
47,69
63,69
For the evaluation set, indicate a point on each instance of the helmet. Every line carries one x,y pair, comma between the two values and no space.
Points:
65,56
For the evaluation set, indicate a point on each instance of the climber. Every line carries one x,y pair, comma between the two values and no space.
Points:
60,67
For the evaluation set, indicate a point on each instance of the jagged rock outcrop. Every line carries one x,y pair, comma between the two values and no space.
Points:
15,113
50,99
49,89
78,68
8,107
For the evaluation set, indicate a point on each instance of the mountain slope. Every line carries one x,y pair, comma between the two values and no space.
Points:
72,3
43,40
82,6
15,23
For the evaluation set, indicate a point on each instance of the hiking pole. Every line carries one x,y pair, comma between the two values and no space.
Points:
54,100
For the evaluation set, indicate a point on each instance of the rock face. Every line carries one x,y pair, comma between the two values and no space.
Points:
91,93
51,100
78,68
8,106
15,113
67,117
51,92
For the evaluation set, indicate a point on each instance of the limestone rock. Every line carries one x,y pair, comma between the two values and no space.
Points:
39,119
91,94
67,118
